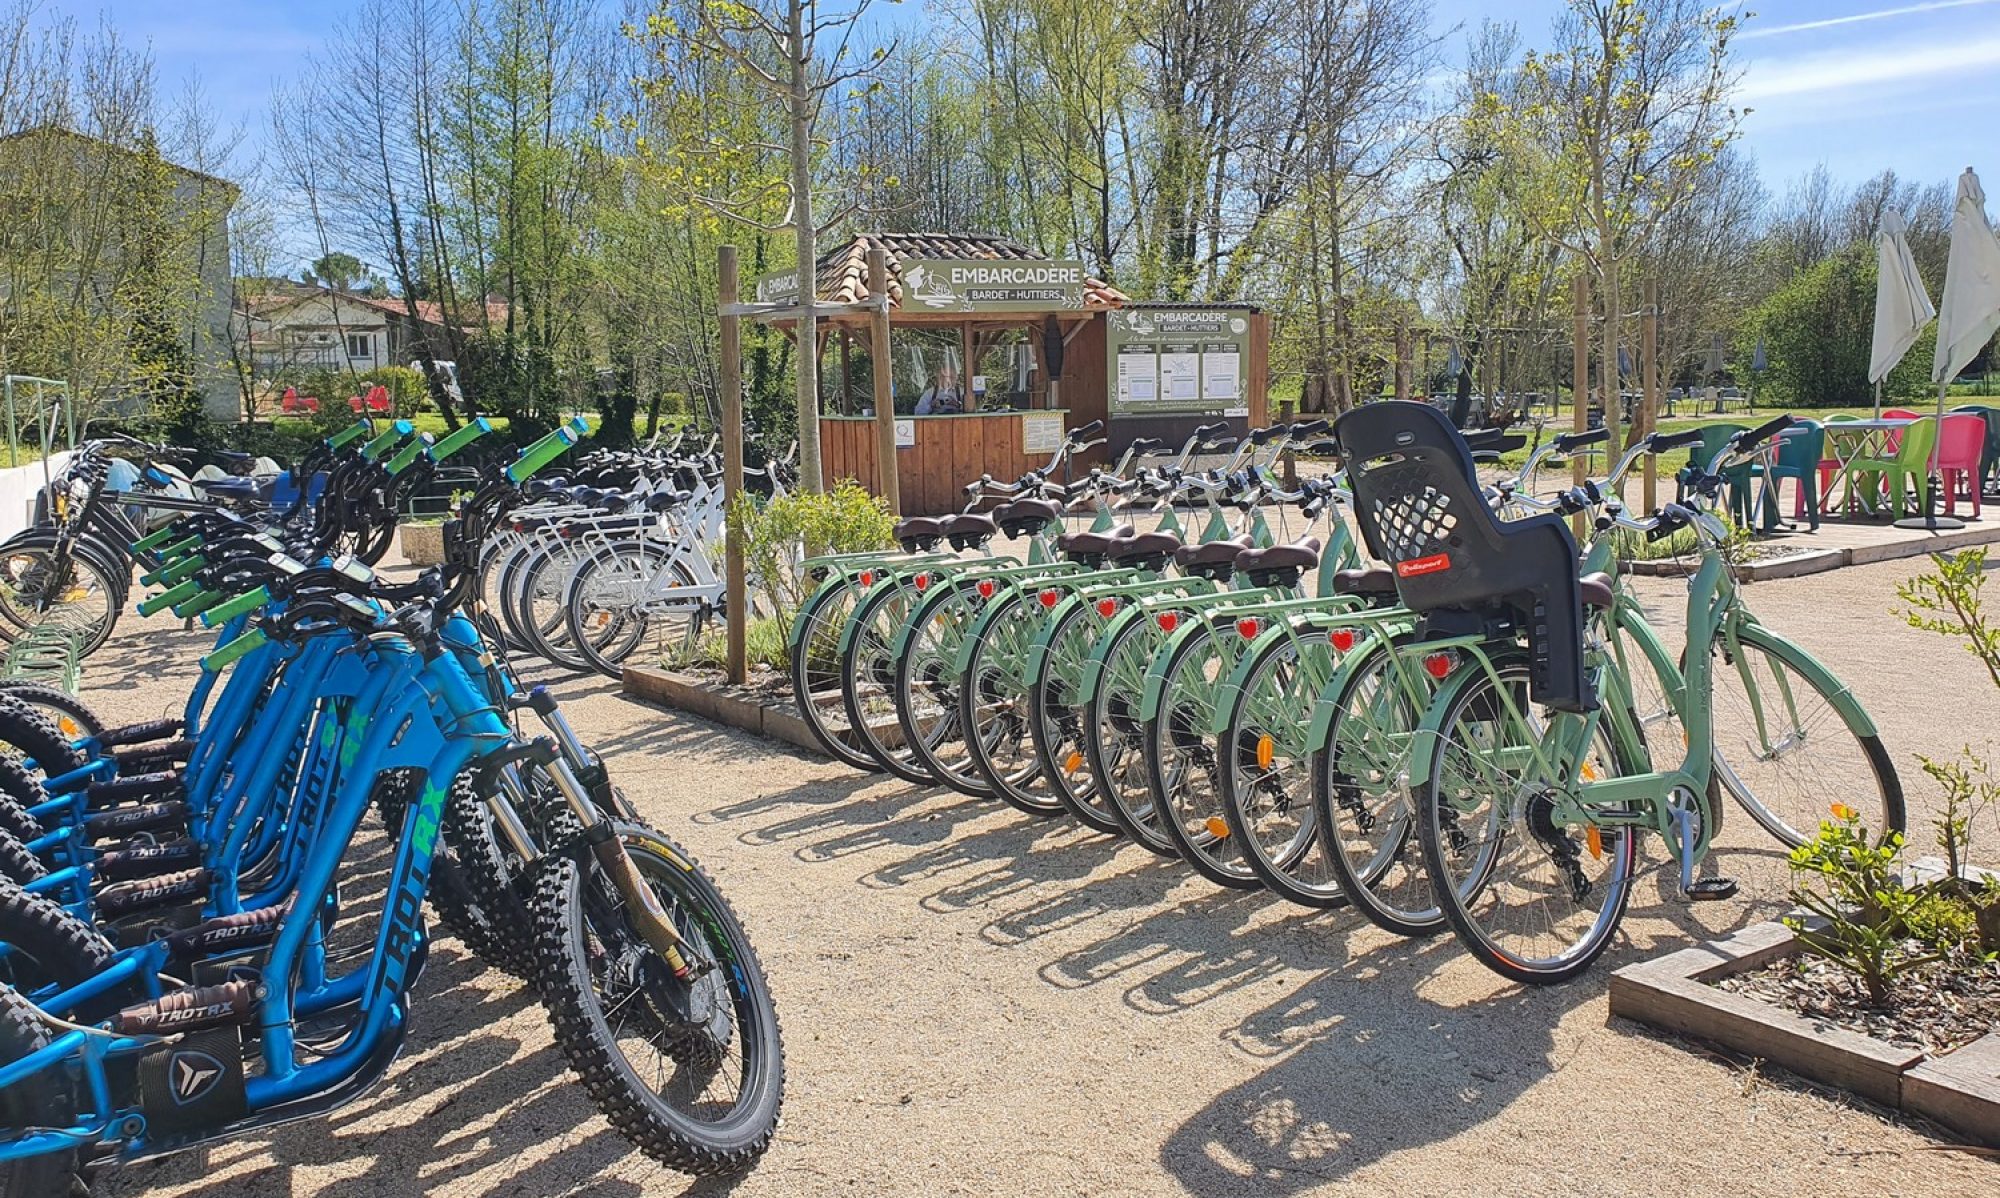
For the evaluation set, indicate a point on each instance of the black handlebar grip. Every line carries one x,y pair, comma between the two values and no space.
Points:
1571,442
1309,428
1482,438
1264,436
1219,444
1750,438
1206,431
1086,431
1328,448
1668,442
1144,446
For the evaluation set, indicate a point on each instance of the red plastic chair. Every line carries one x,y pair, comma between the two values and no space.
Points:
1894,441
294,404
377,399
1960,448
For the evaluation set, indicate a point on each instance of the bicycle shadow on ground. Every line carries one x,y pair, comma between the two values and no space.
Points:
1366,1063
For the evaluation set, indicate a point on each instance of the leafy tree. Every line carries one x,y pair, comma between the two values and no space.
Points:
1817,330
338,270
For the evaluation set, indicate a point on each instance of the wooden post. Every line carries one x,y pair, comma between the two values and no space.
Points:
881,374
1579,396
1403,360
966,367
735,593
846,374
1649,389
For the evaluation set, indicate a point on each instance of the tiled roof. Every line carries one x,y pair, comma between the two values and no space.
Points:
428,311
843,271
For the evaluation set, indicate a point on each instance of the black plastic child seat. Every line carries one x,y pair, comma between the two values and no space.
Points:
1418,502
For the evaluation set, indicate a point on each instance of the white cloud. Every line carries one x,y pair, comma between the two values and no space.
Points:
1849,70
1856,18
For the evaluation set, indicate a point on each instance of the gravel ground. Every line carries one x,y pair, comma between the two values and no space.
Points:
976,1003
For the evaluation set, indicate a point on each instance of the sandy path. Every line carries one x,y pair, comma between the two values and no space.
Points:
975,1003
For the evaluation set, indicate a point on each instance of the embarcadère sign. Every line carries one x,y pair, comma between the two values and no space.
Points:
991,285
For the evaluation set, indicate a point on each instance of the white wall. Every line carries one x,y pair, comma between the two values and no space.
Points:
18,488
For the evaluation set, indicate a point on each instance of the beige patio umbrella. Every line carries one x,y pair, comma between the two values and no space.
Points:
1970,312
1902,306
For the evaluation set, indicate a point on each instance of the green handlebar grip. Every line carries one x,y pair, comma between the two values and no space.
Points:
229,609
466,435
159,536
197,605
181,546
166,599
380,445
359,428
540,454
250,640
579,426
408,454
172,573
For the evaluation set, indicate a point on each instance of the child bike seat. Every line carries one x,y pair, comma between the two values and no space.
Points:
1418,502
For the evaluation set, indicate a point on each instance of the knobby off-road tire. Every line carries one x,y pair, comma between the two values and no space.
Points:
36,737
51,946
487,913
17,864
38,1100
73,717
566,913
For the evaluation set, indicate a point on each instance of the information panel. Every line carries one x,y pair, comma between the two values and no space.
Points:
1166,361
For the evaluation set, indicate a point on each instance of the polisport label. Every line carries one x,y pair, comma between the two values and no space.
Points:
1433,564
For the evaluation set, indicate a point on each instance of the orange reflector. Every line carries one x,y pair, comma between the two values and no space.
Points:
1073,762
1589,772
1437,665
1218,827
1107,607
1168,621
1050,598
986,588
1343,639
1248,627
1595,839
1266,750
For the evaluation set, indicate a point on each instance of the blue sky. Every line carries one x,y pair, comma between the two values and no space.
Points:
1859,84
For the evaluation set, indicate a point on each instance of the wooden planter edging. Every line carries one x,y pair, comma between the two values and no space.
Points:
725,705
1960,1090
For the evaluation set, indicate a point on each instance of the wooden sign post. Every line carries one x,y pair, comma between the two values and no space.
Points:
879,367
736,599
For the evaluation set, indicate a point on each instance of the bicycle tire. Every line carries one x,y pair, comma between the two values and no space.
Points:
815,671
42,1098
17,864
991,699
37,739
1180,766
82,721
1056,723
564,925
1257,794
1442,843
607,653
1115,739
868,682
924,685
50,947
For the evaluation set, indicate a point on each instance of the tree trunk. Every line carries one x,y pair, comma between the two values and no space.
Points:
802,218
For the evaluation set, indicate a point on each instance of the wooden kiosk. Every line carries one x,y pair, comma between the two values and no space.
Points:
1093,354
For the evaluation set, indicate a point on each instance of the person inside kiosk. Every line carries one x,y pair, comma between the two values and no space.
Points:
942,398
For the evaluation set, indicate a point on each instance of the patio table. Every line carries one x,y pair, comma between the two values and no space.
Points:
1851,440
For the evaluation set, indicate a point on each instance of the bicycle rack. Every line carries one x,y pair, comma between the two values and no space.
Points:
45,651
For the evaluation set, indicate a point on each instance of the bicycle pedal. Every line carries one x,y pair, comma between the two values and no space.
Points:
1710,890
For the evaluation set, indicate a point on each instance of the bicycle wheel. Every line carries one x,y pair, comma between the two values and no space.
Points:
37,586
1115,737
1057,716
1784,749
44,1098
993,708
691,1071
1361,794
1533,900
544,615
614,614
868,681
1265,780
1181,767
495,564
927,685
71,715
815,670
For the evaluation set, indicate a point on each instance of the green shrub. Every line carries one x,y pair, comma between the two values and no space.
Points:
780,534
1855,885
765,641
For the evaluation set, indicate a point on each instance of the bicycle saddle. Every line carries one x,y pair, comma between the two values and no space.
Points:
614,501
1299,555
1595,589
1025,517
1144,547
661,501
969,529
1211,553
918,532
1375,582
1091,544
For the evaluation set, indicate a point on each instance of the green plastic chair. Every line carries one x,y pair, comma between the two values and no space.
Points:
1800,449
1736,479
1911,463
